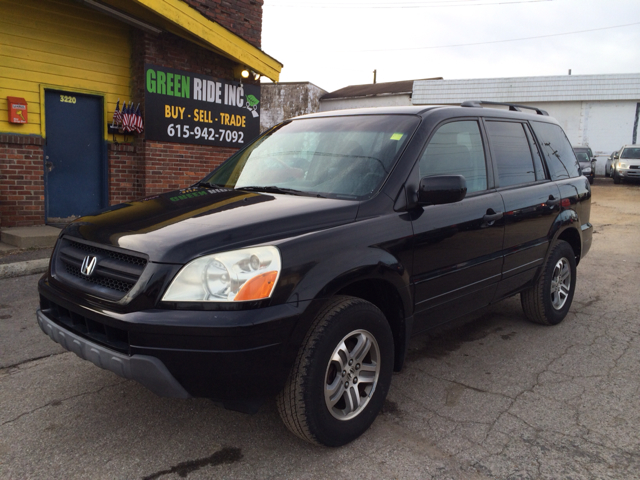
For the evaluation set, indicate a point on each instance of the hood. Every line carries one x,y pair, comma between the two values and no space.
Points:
630,161
178,226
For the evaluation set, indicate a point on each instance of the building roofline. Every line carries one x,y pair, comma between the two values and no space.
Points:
556,88
402,87
205,32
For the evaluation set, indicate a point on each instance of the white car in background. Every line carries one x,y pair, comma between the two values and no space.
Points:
627,165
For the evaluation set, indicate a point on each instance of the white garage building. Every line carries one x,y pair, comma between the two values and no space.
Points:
599,111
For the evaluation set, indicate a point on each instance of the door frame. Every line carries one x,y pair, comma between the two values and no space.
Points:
104,158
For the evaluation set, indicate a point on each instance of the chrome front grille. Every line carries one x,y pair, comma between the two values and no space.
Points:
115,273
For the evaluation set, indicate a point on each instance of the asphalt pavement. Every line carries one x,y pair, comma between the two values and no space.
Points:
493,396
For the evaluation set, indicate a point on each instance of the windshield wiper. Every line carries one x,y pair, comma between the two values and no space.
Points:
274,189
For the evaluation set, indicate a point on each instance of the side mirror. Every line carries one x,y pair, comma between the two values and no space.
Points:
441,189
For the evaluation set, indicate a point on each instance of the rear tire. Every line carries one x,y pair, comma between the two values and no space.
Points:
341,376
548,301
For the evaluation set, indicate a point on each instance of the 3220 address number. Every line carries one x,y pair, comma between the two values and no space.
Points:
183,131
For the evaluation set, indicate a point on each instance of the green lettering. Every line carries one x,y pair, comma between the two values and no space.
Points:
176,88
151,81
186,84
162,88
169,83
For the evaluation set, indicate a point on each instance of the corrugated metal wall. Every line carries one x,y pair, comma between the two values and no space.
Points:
557,88
59,44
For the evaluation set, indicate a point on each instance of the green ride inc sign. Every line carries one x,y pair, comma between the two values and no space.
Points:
184,107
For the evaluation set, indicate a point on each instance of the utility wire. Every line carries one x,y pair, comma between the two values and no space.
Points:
497,41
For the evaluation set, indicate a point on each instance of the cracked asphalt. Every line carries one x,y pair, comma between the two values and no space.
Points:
490,397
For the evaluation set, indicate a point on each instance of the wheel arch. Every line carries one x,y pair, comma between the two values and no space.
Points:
566,227
384,285
386,297
572,237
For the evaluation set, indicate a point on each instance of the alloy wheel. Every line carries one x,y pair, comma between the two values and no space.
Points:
352,375
560,283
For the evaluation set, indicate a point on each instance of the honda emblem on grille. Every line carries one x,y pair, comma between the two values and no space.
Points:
88,265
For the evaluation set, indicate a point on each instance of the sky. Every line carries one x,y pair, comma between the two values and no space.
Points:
334,44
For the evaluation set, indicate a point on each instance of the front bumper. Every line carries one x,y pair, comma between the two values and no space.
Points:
235,357
147,370
629,172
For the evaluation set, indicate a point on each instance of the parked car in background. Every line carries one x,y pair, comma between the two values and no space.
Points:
627,165
587,162
608,166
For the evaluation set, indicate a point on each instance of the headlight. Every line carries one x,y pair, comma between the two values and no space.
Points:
623,165
236,276
586,170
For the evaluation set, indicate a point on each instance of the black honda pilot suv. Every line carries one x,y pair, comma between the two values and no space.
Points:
302,265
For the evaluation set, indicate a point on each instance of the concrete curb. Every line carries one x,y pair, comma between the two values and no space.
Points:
28,267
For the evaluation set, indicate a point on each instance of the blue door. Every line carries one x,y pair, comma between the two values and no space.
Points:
75,156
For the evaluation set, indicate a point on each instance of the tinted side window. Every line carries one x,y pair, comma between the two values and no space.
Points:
510,148
456,149
557,151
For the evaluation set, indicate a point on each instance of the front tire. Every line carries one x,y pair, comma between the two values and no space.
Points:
616,177
341,376
549,300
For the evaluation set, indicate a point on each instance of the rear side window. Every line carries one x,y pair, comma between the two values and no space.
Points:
456,149
510,149
557,151
537,160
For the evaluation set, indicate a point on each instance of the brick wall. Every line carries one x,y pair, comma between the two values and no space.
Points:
126,172
171,166
21,181
242,17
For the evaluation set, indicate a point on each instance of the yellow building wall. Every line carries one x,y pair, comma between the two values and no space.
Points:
59,44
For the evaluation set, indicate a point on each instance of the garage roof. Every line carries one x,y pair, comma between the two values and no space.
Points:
372,89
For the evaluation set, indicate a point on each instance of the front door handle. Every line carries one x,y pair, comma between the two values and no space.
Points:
553,201
492,216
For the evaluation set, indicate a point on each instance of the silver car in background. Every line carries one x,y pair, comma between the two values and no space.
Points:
627,165
608,166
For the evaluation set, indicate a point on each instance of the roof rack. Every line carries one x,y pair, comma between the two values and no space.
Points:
512,106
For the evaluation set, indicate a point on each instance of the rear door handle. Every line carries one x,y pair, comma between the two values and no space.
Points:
492,217
553,201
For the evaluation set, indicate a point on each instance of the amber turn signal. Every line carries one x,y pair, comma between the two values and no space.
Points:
258,287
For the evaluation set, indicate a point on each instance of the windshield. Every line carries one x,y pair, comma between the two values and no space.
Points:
340,157
630,153
582,157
